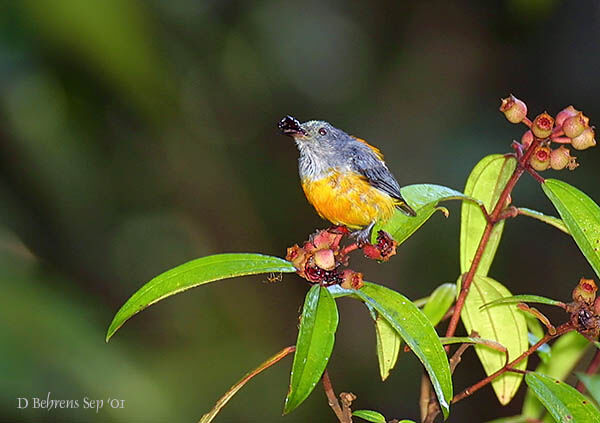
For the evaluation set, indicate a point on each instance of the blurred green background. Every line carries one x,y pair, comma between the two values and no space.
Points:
136,135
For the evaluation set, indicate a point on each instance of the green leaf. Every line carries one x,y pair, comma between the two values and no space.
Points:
388,346
566,352
592,384
562,401
370,416
581,215
505,325
485,183
418,333
439,302
209,417
550,220
313,348
194,273
424,198
524,298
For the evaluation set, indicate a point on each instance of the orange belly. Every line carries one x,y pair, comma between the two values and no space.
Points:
348,199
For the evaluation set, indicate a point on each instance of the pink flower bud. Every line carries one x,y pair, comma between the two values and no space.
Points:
325,259
514,109
297,256
584,140
585,291
527,139
574,125
565,113
542,125
351,279
561,158
540,160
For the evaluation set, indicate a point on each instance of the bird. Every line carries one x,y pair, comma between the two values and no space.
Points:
343,177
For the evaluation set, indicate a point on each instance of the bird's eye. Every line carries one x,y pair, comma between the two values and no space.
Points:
323,131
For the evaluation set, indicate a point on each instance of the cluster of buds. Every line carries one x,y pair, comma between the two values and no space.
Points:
570,126
585,309
321,259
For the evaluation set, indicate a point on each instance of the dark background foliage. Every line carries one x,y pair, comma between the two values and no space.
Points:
137,135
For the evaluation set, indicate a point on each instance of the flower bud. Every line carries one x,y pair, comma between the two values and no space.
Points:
540,160
326,239
514,109
561,158
297,256
325,259
585,291
542,125
565,113
351,279
574,125
527,139
584,140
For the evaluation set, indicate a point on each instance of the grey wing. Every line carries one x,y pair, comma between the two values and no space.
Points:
379,176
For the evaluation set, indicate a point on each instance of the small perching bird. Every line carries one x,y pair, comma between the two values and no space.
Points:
344,177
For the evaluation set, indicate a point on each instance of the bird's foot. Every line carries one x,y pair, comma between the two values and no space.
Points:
363,236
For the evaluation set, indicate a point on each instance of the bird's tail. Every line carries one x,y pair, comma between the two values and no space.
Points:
408,210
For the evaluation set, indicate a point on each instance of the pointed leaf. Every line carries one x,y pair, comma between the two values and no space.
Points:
505,325
424,198
550,220
388,346
316,337
194,273
562,401
418,333
565,353
370,416
439,302
485,183
581,215
592,384
209,417
523,298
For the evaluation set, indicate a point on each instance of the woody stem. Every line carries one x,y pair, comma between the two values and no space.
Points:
492,221
561,330
332,399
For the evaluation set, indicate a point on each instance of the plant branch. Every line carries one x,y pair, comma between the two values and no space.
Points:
522,165
591,369
333,401
562,329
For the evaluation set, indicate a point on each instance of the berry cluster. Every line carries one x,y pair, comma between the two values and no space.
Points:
585,309
570,126
321,259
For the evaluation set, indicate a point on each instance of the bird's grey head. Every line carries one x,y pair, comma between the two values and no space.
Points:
314,136
321,145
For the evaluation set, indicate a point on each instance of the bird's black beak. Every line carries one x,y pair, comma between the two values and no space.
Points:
290,126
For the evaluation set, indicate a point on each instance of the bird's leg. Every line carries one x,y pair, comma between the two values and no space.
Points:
363,236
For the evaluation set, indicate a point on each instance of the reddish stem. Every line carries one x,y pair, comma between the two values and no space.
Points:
349,248
493,219
332,399
562,329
